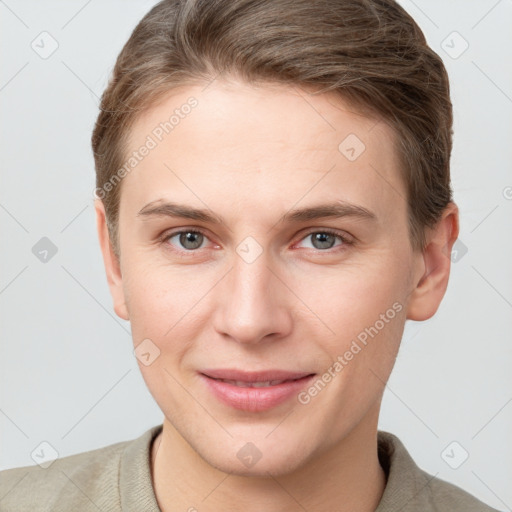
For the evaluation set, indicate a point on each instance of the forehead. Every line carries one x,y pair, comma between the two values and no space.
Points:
240,144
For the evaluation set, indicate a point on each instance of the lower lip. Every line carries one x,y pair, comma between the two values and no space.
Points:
255,399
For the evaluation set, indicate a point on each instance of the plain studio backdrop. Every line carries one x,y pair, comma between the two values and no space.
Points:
69,377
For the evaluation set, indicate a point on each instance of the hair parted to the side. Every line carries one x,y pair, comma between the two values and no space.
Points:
370,52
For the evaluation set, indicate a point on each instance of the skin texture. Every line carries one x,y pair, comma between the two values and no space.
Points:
252,154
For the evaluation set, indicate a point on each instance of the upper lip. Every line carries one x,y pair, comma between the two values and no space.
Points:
258,376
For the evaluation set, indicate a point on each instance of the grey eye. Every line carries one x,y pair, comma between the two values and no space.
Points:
322,240
189,240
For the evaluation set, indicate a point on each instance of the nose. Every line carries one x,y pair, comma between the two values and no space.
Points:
253,303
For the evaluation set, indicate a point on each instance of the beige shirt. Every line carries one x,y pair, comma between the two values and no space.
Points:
118,477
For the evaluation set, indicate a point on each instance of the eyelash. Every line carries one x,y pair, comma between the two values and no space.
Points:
346,241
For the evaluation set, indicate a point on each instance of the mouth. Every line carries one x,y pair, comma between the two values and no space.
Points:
256,391
257,384
272,375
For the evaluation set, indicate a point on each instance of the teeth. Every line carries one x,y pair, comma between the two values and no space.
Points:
252,384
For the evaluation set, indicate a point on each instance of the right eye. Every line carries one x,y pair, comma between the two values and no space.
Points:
189,239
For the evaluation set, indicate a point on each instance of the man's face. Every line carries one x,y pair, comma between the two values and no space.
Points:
263,290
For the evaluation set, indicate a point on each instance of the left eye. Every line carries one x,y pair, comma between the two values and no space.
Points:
324,239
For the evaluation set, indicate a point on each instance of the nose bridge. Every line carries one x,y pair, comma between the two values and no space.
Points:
251,306
251,278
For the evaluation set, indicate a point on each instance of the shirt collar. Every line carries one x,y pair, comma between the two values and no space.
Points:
407,486
135,484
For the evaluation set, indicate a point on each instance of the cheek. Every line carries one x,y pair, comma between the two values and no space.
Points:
163,323
148,296
148,284
163,304
371,327
364,308
348,299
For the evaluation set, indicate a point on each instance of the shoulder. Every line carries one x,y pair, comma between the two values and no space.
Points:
409,488
83,481
449,497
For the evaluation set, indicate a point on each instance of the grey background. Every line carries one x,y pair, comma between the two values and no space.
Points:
67,370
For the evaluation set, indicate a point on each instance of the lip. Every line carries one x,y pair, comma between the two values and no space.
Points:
254,399
260,376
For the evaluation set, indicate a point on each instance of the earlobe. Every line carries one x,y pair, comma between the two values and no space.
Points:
111,262
431,284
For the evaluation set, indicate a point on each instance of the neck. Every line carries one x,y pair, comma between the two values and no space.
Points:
344,478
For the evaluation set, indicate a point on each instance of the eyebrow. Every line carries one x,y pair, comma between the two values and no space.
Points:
336,209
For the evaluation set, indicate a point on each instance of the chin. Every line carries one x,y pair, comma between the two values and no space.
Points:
249,460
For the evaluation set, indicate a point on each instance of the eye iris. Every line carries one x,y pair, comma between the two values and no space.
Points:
321,239
189,236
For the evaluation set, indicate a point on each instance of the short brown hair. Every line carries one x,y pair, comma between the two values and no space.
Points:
371,52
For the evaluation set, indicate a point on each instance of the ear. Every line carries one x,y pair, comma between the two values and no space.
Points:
112,264
434,266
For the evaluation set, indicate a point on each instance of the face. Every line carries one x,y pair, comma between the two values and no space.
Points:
272,281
